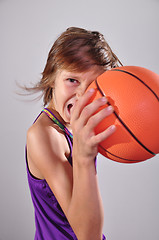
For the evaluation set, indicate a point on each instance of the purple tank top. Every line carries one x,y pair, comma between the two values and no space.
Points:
50,221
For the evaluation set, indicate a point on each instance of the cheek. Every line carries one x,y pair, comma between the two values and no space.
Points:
68,91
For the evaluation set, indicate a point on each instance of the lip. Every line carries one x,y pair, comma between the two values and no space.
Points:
68,110
69,107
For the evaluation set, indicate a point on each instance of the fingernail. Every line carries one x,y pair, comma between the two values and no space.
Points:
112,127
104,99
110,108
91,90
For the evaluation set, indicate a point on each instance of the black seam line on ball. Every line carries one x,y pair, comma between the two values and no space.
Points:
121,121
119,70
117,156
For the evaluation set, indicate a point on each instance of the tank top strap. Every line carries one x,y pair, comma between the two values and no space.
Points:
57,121
69,140
67,133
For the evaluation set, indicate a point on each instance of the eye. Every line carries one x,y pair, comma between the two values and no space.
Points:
73,81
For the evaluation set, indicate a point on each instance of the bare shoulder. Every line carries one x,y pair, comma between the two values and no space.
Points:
46,146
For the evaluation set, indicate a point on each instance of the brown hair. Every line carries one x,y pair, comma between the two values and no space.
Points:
75,50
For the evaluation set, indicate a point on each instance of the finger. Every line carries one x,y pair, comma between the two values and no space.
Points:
96,139
90,112
81,103
98,117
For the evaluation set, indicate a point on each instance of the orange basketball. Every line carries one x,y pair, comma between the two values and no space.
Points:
134,93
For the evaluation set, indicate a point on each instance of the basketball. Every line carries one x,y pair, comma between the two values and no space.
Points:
134,93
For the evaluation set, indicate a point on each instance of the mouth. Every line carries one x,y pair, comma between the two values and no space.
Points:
69,107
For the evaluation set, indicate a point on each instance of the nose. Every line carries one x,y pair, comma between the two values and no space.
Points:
80,91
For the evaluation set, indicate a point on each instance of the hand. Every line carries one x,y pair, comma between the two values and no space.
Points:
84,119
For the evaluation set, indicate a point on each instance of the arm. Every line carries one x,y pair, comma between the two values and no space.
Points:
86,205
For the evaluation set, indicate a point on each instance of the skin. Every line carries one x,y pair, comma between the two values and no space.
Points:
76,188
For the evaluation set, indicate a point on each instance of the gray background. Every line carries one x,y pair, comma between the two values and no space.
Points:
28,29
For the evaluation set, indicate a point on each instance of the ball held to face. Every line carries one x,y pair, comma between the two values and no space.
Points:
134,94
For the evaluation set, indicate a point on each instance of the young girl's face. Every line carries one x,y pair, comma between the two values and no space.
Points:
68,87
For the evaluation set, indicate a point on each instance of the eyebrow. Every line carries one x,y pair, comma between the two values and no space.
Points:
71,75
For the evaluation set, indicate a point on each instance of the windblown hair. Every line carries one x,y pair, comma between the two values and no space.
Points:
75,50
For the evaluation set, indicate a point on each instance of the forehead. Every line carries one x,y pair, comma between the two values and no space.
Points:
93,72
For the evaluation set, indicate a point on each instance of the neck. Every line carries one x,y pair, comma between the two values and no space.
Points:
58,116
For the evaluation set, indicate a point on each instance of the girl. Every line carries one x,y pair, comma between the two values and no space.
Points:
62,179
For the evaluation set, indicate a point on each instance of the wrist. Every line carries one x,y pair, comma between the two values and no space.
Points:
84,162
